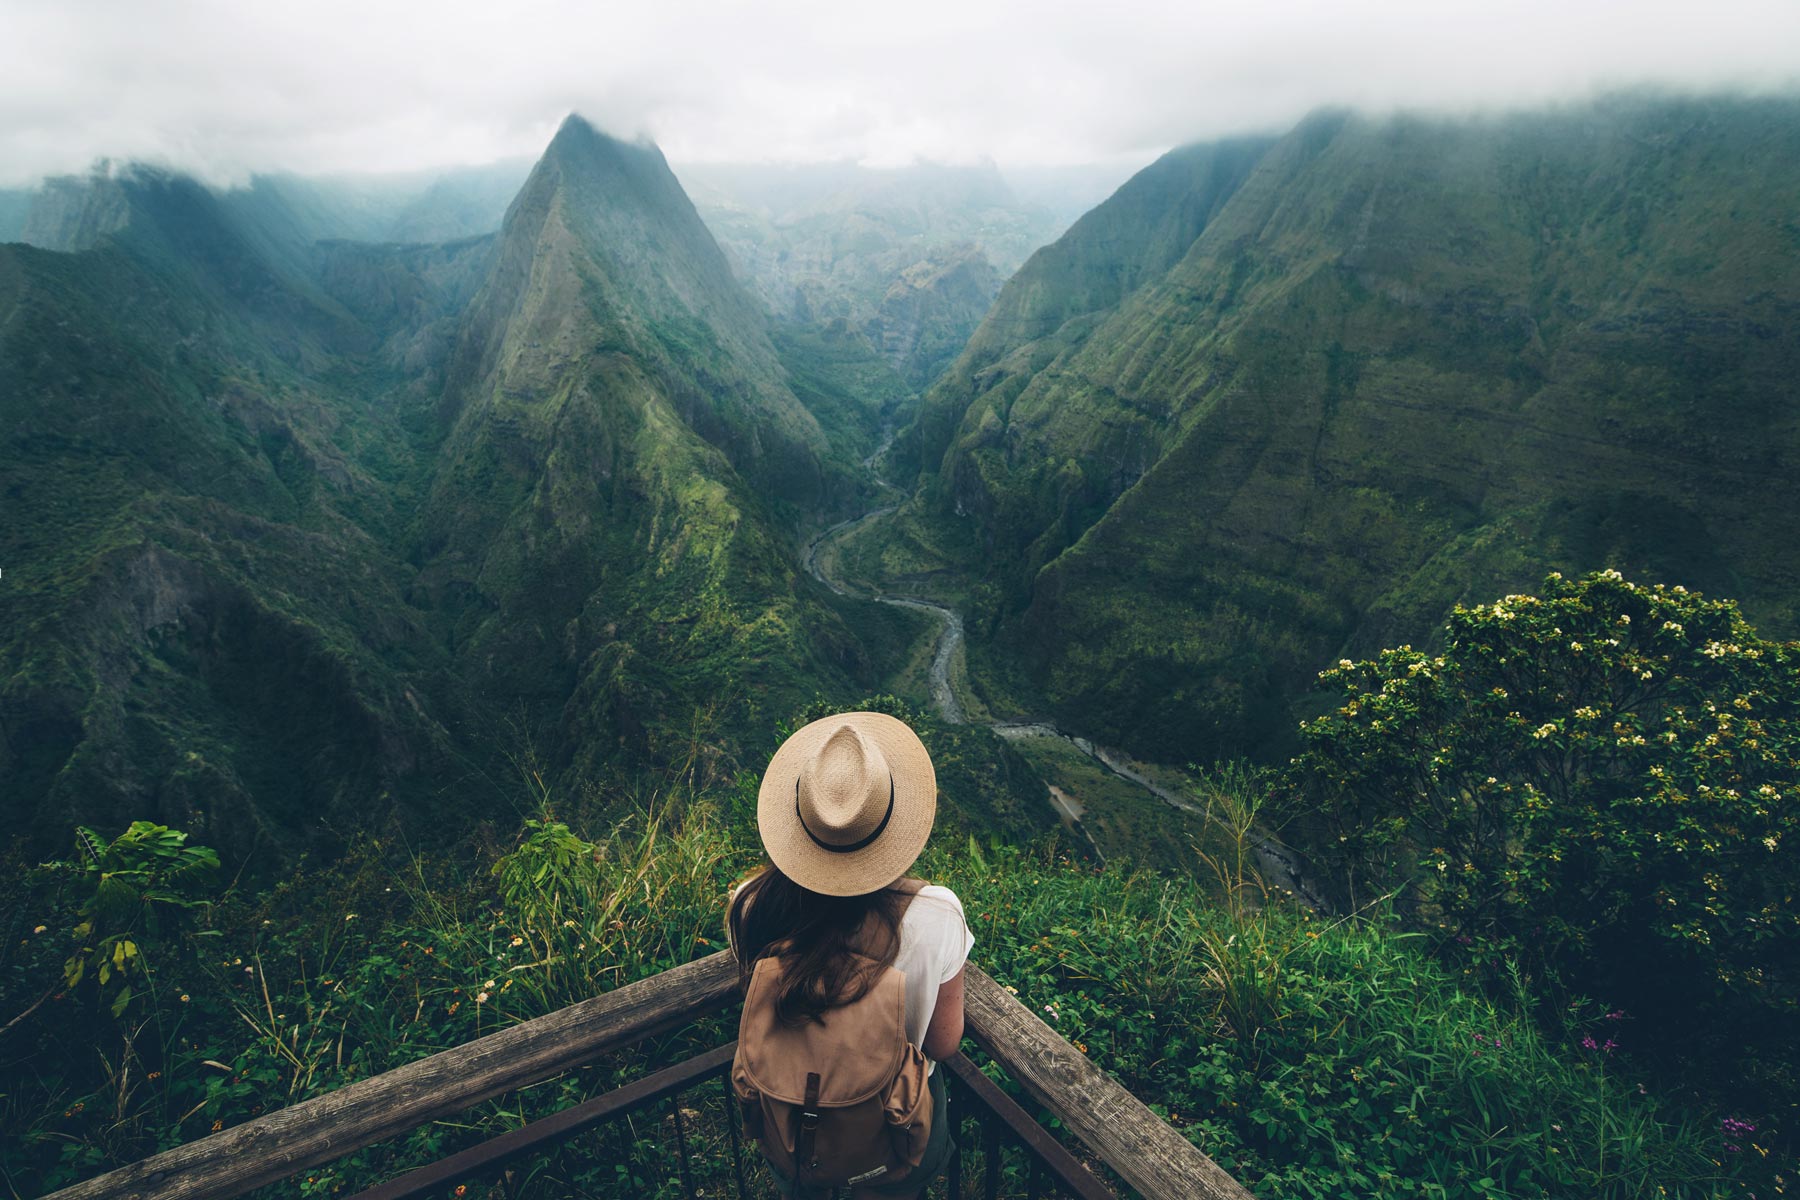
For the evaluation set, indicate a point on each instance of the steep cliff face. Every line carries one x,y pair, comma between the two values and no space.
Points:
1398,364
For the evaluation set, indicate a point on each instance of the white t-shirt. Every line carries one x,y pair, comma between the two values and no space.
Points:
934,943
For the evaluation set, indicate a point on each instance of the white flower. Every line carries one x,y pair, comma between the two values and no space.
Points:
1543,731
1345,664
481,997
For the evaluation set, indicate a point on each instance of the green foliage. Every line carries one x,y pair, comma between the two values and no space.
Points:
1375,1069
1604,780
581,914
133,889
1374,1072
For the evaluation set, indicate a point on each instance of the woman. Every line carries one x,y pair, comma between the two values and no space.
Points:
845,808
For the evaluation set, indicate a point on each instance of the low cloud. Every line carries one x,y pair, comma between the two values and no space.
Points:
227,88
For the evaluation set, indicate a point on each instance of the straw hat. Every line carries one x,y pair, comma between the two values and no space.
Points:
847,803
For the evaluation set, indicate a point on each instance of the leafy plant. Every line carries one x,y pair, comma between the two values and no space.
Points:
135,885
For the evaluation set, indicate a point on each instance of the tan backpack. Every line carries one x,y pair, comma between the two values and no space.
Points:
837,1103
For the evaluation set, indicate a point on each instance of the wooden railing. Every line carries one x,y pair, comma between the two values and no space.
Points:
1114,1126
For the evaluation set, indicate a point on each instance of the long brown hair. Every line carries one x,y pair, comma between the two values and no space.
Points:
816,938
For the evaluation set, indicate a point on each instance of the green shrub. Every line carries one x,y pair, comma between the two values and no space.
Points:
1604,778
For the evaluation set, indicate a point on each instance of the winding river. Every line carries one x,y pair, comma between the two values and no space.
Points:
1280,868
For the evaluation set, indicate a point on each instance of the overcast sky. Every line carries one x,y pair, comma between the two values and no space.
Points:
223,87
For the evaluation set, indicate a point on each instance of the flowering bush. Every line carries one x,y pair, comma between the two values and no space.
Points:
1606,774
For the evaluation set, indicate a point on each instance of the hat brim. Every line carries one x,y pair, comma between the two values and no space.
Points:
884,860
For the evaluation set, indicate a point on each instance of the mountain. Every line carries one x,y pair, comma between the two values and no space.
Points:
200,622
307,536
1279,401
910,257
620,453
458,203
15,210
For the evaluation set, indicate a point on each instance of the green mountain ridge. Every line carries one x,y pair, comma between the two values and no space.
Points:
1396,364
309,537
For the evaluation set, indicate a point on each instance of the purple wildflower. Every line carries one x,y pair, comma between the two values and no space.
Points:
1734,1128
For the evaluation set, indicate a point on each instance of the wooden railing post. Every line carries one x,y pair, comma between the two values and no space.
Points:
1144,1149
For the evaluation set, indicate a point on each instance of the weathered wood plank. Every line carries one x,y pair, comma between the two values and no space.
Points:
371,1110
1143,1148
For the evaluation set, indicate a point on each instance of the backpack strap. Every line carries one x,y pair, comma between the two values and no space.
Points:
809,1126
